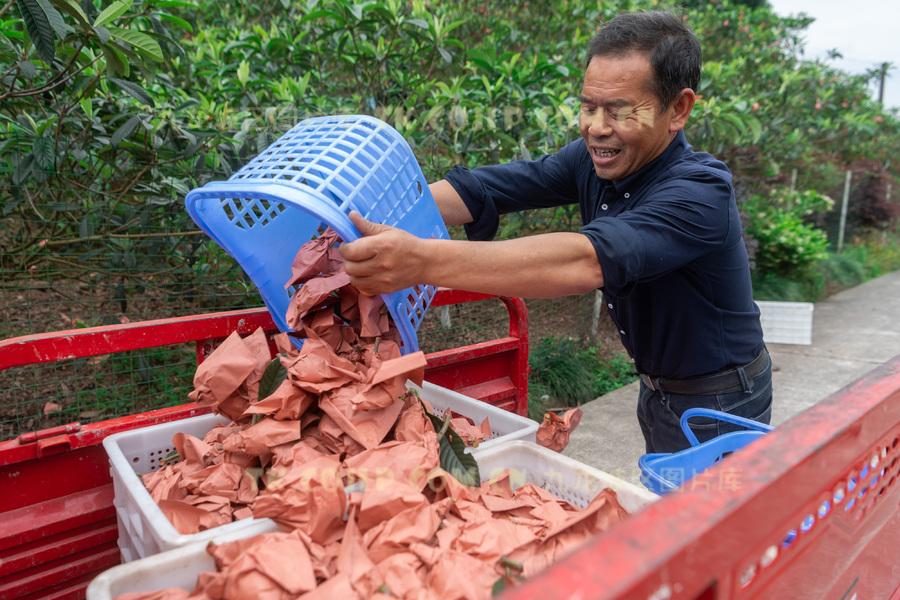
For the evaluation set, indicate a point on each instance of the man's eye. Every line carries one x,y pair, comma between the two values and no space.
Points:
588,109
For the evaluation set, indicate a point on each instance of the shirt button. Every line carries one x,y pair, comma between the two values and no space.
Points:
604,206
610,306
627,195
622,331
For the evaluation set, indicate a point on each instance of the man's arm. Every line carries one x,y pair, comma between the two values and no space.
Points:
542,266
450,203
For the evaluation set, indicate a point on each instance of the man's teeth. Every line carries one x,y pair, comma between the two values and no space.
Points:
604,153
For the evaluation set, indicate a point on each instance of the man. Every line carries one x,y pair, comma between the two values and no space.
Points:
661,237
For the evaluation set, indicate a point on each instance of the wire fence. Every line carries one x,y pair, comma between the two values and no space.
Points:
52,296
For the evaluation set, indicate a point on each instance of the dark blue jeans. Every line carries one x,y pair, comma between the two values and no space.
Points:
659,413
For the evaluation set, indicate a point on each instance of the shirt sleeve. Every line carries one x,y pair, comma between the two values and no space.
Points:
679,222
489,192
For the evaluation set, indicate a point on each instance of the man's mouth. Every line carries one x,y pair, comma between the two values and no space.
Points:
604,154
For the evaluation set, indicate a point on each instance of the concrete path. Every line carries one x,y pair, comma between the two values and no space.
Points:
853,332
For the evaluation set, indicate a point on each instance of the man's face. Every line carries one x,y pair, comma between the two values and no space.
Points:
620,120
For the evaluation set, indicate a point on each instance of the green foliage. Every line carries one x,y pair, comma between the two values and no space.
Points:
558,368
111,111
787,245
807,286
612,374
568,374
870,257
766,109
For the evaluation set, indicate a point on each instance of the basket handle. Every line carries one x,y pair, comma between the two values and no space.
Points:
720,416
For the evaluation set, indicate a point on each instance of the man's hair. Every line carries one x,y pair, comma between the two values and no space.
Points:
672,48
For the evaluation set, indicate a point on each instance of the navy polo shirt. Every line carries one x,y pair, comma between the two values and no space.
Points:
676,276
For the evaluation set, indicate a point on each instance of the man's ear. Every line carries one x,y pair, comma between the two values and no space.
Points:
681,109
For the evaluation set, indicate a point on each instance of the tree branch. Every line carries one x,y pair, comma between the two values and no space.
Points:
59,79
6,7
121,236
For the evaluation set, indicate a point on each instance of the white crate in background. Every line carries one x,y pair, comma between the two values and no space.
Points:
143,528
786,322
562,476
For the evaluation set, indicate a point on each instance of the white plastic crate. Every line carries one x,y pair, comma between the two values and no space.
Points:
564,477
505,426
143,528
786,322
175,568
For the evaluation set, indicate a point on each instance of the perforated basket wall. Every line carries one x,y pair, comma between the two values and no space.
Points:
312,178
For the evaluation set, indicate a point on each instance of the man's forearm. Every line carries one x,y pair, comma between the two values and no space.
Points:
540,266
450,203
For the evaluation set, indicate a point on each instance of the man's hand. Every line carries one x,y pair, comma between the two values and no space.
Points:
385,259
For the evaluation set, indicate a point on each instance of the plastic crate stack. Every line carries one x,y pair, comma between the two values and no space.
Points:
143,528
527,462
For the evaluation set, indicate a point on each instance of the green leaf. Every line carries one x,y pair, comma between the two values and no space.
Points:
85,229
88,107
26,67
243,72
499,586
173,4
22,169
43,151
140,41
40,29
74,9
124,131
456,461
272,377
133,90
115,61
112,12
102,34
56,21
454,458
177,22
187,104
755,129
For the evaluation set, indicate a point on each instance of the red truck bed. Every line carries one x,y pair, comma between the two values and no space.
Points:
57,522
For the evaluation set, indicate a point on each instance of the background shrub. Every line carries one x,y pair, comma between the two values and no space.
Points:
780,223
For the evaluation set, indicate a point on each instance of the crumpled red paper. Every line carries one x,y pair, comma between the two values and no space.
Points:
554,430
345,459
228,380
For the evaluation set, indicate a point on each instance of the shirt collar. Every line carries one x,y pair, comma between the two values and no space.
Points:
674,150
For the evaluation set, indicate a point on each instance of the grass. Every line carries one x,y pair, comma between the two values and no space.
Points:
566,373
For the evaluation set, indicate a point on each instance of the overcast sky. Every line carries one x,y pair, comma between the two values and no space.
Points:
866,32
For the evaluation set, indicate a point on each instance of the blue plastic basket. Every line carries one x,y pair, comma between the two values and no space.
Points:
663,472
310,179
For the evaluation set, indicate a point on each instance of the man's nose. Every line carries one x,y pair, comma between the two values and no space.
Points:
599,125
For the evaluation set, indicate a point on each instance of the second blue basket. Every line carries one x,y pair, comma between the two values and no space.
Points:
310,179
663,472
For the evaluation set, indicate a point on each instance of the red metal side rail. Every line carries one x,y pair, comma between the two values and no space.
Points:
811,510
495,371
57,522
